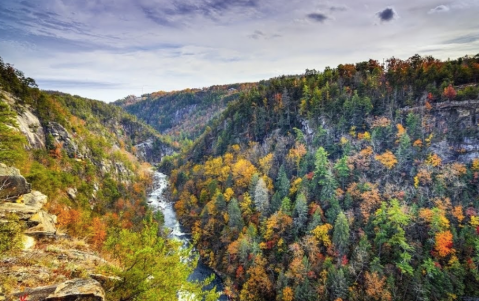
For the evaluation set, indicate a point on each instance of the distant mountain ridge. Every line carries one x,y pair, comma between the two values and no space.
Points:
182,114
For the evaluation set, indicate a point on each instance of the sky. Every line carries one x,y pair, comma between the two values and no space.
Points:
108,49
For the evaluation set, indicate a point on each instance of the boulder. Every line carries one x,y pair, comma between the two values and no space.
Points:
12,183
30,204
72,193
42,224
78,290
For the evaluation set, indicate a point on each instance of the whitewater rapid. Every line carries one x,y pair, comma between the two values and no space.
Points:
158,201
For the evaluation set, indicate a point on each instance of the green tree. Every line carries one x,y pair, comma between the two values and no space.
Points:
234,212
321,165
391,220
341,234
151,267
12,142
342,169
252,185
286,206
10,235
404,152
282,182
337,283
300,214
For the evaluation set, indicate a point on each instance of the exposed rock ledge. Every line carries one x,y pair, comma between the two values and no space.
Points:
72,290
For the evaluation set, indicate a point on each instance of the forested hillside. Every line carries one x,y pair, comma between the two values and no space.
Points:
182,115
74,179
359,182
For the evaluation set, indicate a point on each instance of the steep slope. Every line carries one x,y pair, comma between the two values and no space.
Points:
356,183
182,114
73,179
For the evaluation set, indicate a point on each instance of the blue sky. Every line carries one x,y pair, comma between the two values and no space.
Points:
108,49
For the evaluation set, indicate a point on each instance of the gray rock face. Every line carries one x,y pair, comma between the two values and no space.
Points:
150,152
78,290
61,135
12,183
30,126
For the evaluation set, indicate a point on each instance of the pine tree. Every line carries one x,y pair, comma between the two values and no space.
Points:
286,206
342,169
275,202
282,182
300,214
337,283
404,152
252,185
321,165
234,212
341,234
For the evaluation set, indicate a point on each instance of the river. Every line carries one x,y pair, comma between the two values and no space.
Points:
158,201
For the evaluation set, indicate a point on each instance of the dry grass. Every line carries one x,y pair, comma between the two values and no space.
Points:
49,262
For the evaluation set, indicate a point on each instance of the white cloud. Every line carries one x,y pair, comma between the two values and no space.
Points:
439,9
109,49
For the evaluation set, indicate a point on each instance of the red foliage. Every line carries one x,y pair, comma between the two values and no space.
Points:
240,272
449,92
344,260
24,298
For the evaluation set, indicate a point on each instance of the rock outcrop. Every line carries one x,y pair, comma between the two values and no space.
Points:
62,136
151,151
72,290
30,126
78,290
27,205
12,183
44,224
28,208
456,119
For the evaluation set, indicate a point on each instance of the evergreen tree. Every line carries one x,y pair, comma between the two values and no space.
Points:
300,214
321,165
337,283
234,212
404,151
220,202
342,169
252,185
286,206
282,182
275,203
341,234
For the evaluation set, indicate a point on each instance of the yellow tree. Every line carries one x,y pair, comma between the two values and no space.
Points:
387,159
243,170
